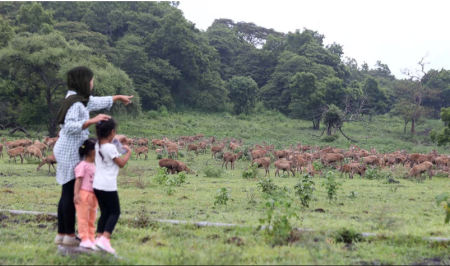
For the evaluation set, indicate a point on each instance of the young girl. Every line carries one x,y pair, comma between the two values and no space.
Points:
84,199
73,118
108,161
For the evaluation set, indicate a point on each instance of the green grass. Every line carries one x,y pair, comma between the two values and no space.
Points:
404,215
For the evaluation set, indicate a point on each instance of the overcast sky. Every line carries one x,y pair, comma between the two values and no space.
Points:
397,32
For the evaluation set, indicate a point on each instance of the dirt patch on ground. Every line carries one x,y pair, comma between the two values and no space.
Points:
236,241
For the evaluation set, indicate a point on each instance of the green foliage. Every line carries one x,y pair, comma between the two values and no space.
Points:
443,137
267,186
347,236
305,190
271,190
159,156
443,199
6,32
331,138
161,177
243,93
352,195
180,179
211,171
252,172
33,18
318,165
278,229
331,186
223,195
377,174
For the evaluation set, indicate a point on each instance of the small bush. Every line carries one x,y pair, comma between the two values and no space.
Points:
210,171
161,176
222,196
347,236
330,138
331,185
252,172
278,214
163,111
159,156
152,114
305,189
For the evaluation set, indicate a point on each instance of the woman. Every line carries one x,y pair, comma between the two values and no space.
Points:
73,117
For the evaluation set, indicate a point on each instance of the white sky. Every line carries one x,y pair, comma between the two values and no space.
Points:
397,32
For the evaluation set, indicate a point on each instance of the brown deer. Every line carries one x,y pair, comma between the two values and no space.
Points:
263,162
192,147
141,150
230,158
420,169
16,152
285,166
1,150
50,160
217,149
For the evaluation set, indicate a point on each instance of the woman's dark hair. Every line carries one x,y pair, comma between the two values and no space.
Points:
103,130
79,79
87,147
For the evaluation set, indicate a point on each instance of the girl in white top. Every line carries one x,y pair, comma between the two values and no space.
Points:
108,162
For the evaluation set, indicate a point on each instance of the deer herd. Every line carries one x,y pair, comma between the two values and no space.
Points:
295,159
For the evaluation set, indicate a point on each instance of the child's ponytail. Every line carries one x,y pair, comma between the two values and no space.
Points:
87,147
103,130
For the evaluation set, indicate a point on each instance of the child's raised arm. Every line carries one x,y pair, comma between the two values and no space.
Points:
122,161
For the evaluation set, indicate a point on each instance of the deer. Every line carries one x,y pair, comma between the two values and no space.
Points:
217,149
192,147
50,160
141,150
1,150
263,162
285,166
420,169
16,152
230,158
33,151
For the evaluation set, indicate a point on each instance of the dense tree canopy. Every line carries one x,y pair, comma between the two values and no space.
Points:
149,48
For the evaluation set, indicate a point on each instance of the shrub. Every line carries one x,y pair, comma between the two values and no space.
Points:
152,114
347,236
222,196
159,156
444,200
330,138
278,229
163,111
161,176
305,189
252,172
210,171
331,185
270,189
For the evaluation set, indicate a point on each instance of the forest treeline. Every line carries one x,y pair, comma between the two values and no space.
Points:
150,50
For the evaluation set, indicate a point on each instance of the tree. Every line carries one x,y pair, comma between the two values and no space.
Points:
42,61
6,32
308,98
443,137
33,18
242,93
376,97
412,92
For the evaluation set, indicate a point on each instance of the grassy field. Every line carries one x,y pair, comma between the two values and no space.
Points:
402,213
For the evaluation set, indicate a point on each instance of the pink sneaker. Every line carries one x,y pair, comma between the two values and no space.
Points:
104,244
86,244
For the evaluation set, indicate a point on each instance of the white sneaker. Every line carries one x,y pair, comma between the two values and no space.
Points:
71,241
86,244
59,239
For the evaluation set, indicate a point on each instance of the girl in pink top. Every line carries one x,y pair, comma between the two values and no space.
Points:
84,197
